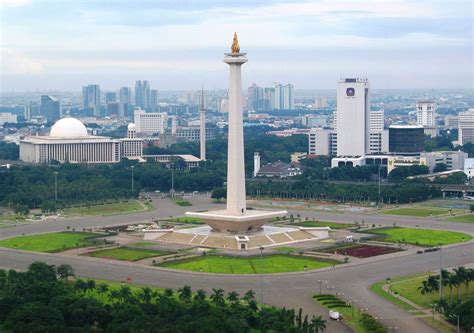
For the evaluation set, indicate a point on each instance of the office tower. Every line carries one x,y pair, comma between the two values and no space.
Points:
255,98
125,100
353,117
406,139
466,127
202,128
150,122
322,142
284,97
376,121
268,99
425,114
50,108
153,99
142,94
451,122
91,98
110,97
113,108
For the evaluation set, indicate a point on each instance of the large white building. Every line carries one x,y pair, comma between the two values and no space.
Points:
69,141
150,122
466,127
353,117
425,113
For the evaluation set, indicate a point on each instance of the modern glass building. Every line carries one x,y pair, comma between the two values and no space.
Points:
406,139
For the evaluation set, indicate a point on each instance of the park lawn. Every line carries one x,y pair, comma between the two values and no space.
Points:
127,253
422,237
181,202
408,288
252,265
469,218
52,242
187,219
110,209
417,211
332,225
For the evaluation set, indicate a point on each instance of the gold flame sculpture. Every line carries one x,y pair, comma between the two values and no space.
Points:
235,44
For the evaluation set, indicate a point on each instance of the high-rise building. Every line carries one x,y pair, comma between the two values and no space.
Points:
322,142
451,122
110,97
255,100
268,99
466,127
406,139
50,108
125,100
376,121
153,99
150,122
32,109
142,94
425,114
284,97
353,117
91,98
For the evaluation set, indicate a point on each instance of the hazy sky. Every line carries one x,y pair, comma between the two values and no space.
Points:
62,44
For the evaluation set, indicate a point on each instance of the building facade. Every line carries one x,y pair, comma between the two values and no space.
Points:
150,122
284,97
7,117
50,108
425,113
125,102
142,94
406,139
466,127
91,98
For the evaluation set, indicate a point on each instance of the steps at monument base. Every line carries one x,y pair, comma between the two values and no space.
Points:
280,238
220,242
256,241
198,239
176,237
299,235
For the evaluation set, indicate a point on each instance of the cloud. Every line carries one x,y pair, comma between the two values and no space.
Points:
14,62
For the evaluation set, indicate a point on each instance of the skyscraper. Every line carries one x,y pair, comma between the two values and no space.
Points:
50,108
255,99
425,113
142,94
110,97
153,99
125,99
353,117
91,98
284,97
466,127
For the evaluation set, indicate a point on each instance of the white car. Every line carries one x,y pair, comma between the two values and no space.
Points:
335,315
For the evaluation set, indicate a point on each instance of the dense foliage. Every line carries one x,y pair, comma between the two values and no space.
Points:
42,299
9,151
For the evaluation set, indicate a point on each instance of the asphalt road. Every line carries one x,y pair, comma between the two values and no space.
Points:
292,290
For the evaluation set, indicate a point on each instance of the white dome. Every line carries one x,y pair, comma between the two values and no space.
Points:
131,127
68,128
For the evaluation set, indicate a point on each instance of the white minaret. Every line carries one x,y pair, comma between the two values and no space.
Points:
236,204
202,130
256,163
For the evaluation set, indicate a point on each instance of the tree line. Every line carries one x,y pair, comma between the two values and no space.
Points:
46,299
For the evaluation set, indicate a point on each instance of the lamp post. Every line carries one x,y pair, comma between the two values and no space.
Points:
55,185
380,167
457,320
261,248
133,185
320,282
440,274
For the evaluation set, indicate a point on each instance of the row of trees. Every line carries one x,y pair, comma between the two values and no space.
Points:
42,299
454,306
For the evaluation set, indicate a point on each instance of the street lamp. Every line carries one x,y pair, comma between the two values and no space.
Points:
261,248
133,187
320,282
55,185
440,273
457,317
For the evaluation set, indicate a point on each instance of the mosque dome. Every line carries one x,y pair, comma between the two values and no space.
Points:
68,128
131,127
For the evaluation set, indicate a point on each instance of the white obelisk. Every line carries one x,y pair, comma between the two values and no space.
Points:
236,204
202,128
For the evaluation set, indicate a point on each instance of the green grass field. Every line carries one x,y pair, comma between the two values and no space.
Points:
332,225
53,242
408,288
422,237
253,265
110,209
181,202
187,219
469,218
127,253
417,211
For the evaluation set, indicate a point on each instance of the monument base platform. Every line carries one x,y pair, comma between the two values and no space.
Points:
249,222
268,236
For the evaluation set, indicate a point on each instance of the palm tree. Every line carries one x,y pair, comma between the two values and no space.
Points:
102,288
90,285
168,292
125,293
218,297
318,324
200,296
114,295
80,286
249,295
463,275
185,294
146,295
233,297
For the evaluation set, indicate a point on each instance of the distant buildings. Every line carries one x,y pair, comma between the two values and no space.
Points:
142,94
50,108
281,97
426,117
278,169
150,122
284,97
125,102
110,97
7,117
91,98
466,127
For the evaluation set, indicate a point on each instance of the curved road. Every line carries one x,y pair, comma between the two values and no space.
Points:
292,290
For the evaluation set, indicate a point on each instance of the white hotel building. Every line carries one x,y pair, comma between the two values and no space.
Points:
150,122
69,142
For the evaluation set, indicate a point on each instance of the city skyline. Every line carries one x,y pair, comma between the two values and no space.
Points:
309,44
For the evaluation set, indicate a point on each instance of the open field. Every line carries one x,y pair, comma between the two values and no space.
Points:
422,237
53,242
127,253
469,218
332,225
110,209
417,211
253,265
